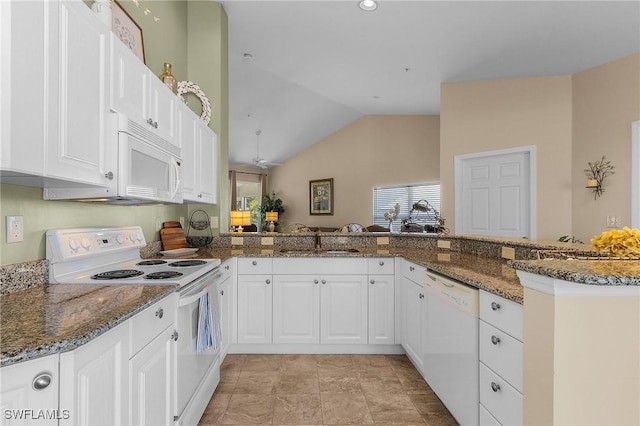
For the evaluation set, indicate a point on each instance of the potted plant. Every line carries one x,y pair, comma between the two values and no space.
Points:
270,204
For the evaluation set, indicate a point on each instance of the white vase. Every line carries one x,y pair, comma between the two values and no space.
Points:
102,9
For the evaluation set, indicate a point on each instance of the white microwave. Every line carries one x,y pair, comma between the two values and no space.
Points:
149,170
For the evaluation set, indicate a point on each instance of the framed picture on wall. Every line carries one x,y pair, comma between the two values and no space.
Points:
127,30
321,196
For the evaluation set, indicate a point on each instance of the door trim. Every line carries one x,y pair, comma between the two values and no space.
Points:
457,167
635,174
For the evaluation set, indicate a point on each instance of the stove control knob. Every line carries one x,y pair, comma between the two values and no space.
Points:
73,245
86,243
119,239
139,236
133,238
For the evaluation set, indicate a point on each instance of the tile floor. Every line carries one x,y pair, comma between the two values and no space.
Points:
323,390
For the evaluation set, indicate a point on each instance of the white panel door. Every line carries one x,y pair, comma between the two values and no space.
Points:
343,309
495,195
412,321
381,309
255,308
296,309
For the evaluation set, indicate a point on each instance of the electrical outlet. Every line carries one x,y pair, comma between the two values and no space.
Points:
158,224
15,229
214,222
613,221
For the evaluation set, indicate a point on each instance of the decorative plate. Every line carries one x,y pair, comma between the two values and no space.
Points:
191,87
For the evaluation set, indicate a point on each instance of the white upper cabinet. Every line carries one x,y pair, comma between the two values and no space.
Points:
200,156
80,148
140,95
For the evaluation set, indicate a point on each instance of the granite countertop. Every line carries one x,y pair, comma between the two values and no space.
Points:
593,272
490,274
54,318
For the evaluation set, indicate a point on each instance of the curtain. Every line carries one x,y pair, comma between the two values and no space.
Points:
233,192
263,186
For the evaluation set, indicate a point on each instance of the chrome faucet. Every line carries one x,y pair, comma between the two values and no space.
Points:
318,240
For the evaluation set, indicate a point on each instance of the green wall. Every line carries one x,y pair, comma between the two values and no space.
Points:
165,41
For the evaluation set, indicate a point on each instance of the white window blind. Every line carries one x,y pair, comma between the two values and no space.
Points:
384,198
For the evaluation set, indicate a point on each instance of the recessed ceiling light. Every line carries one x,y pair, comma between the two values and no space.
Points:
368,5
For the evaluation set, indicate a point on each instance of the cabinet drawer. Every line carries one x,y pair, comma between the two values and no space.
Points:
413,271
149,323
486,419
501,313
255,265
501,399
320,266
502,353
381,266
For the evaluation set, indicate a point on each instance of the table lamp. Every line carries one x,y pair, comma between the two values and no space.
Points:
272,217
236,220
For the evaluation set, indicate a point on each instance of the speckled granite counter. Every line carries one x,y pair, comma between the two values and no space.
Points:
56,318
593,272
489,274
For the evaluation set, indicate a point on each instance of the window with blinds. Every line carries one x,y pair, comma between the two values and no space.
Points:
384,198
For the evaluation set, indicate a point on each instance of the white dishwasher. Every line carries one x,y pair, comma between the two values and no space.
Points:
450,345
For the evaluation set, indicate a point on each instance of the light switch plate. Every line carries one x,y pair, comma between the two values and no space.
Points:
213,221
508,253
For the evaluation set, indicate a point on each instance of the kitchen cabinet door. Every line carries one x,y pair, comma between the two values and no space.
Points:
94,380
187,134
255,308
382,309
413,306
208,165
343,309
19,396
225,287
141,96
152,384
296,309
79,146
200,155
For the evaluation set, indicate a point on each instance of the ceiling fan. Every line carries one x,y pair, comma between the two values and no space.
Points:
259,161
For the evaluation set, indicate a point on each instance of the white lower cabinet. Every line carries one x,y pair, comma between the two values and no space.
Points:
29,392
382,309
94,380
226,289
255,306
343,309
413,316
296,309
500,349
152,390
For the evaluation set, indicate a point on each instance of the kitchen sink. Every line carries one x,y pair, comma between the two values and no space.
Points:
318,251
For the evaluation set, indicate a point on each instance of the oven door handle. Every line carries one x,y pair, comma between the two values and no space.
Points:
184,301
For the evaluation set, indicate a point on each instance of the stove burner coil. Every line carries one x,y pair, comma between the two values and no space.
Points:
151,262
117,274
184,263
163,275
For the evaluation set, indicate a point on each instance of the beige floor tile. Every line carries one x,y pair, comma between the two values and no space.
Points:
257,382
298,383
297,410
345,408
370,360
381,384
338,384
216,409
249,410
426,403
393,408
291,363
261,363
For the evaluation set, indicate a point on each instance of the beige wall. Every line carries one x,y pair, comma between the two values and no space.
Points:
165,41
606,100
483,116
374,150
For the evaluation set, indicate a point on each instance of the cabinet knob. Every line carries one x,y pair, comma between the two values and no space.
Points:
221,292
174,336
495,306
421,296
495,340
150,122
372,282
315,281
254,263
411,268
109,175
41,381
226,267
199,195
324,281
268,281
160,313
495,387
381,263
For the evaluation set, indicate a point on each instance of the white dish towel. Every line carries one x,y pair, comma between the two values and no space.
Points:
209,333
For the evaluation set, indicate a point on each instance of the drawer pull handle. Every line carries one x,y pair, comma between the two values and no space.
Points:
495,387
431,277
495,340
174,336
381,263
411,268
495,306
268,281
254,263
373,282
160,313
41,381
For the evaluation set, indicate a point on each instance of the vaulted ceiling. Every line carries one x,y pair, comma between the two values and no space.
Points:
315,66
